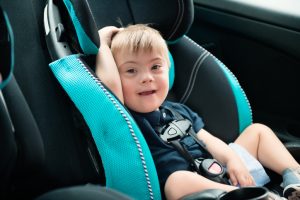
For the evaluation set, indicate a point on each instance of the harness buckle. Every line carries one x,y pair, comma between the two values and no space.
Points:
212,169
175,130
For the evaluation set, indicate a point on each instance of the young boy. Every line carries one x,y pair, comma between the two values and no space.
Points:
133,62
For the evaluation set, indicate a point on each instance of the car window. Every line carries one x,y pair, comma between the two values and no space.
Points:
285,13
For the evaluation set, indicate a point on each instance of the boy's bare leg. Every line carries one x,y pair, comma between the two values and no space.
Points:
263,144
182,183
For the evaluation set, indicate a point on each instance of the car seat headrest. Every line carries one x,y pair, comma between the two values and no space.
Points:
6,46
71,26
172,18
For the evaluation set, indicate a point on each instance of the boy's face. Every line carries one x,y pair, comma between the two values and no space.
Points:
145,79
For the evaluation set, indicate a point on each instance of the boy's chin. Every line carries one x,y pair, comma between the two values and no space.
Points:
144,109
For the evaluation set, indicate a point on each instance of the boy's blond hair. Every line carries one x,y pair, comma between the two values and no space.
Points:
138,37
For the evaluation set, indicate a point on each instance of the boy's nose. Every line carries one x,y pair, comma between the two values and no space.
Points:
147,77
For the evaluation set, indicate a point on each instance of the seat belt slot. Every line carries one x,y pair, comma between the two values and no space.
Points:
60,32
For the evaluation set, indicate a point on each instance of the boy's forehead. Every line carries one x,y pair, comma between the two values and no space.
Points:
127,53
142,56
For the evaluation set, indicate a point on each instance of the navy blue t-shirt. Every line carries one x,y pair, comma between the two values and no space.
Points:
166,158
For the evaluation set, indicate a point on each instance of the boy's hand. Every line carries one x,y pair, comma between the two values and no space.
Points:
239,174
106,34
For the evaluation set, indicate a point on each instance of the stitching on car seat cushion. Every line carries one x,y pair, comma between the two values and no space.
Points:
193,76
227,70
178,21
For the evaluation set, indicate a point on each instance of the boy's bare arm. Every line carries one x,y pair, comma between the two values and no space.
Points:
236,169
106,68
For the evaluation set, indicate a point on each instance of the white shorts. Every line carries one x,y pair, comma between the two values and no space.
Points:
253,165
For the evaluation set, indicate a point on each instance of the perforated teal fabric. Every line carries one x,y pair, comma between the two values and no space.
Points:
127,161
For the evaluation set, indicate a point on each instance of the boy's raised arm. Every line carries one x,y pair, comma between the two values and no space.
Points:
106,68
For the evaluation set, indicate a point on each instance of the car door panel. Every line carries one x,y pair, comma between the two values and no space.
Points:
260,44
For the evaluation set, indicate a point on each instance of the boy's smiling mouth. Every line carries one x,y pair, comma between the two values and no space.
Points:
145,93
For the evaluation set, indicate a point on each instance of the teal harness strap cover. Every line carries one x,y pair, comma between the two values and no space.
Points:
127,161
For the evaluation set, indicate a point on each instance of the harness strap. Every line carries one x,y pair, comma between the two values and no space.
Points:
184,152
174,131
177,129
190,130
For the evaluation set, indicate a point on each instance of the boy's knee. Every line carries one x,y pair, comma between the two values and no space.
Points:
174,188
260,128
259,125
172,184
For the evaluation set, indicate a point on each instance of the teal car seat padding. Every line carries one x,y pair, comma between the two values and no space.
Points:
127,161
171,71
86,44
7,49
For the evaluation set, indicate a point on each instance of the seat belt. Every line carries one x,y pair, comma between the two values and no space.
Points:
175,131
190,131
184,152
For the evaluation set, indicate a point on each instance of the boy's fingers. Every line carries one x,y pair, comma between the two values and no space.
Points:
233,179
246,180
108,29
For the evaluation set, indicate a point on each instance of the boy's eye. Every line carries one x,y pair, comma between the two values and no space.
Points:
131,71
156,67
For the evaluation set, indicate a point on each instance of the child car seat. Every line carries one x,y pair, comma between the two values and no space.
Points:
58,43
211,89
